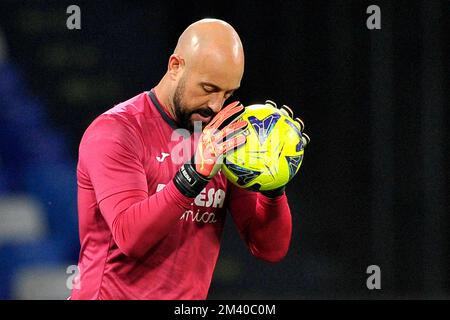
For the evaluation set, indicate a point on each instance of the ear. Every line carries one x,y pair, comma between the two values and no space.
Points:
175,66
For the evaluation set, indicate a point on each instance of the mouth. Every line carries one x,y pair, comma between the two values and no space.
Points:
200,117
204,116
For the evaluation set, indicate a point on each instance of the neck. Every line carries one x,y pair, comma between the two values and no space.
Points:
162,94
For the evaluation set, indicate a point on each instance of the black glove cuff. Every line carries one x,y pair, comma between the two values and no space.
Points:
274,193
188,181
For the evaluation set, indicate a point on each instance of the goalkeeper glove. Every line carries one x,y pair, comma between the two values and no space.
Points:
221,135
305,141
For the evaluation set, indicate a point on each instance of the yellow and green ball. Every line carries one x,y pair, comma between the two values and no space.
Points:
272,154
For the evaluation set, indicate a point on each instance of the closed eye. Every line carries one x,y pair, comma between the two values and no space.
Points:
211,88
229,94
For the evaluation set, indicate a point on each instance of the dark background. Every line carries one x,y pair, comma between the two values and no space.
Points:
373,186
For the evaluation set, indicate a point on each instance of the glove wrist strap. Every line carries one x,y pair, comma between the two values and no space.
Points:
188,181
274,193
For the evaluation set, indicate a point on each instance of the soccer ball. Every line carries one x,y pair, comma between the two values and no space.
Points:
272,154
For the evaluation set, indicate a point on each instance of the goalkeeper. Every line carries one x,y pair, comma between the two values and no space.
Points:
151,215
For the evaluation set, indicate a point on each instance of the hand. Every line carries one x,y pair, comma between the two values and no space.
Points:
287,111
221,135
305,141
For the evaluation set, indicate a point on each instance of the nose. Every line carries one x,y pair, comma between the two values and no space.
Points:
216,102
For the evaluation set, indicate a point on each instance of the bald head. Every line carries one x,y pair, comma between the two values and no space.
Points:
204,70
207,37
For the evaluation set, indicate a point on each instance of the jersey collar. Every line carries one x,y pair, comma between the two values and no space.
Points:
161,111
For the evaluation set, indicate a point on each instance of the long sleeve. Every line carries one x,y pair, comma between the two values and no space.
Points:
137,222
265,224
111,163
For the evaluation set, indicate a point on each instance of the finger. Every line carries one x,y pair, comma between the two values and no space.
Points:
230,130
232,143
228,114
241,124
287,111
221,114
271,103
305,139
232,116
302,124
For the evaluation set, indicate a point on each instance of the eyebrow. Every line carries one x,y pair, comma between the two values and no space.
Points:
217,88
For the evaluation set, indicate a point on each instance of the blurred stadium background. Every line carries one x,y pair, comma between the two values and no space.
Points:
373,188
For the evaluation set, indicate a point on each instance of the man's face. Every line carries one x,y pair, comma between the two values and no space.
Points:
201,93
188,114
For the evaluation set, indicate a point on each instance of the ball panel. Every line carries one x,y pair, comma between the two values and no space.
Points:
272,154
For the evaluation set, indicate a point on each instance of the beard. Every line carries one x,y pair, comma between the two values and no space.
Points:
183,113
